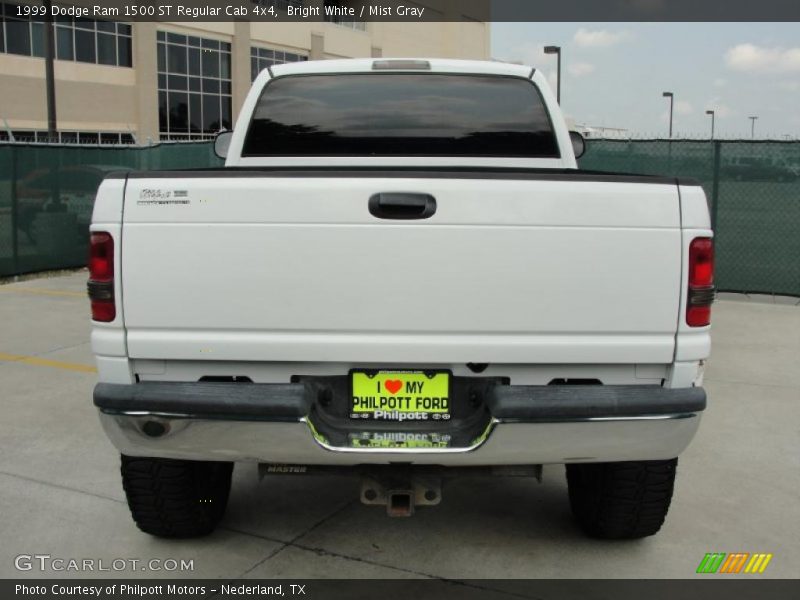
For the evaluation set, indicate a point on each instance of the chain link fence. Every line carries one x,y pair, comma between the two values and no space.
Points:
47,194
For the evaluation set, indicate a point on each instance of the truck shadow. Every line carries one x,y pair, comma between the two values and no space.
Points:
325,512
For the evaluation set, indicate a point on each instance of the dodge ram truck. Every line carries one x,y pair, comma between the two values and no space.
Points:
400,273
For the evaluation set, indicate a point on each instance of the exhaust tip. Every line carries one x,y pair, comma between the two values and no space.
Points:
154,429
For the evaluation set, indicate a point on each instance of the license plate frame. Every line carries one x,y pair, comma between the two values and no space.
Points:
405,404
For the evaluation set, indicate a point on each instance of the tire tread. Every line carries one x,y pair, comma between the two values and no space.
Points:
176,498
625,500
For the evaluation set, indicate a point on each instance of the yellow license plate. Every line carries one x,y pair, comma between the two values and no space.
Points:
400,395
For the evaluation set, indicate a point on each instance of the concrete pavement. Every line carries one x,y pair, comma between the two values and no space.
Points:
738,487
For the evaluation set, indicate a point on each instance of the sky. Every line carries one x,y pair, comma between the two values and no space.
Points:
614,74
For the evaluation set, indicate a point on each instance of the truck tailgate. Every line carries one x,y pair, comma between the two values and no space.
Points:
277,266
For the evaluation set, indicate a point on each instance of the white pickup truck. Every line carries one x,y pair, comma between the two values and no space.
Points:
400,273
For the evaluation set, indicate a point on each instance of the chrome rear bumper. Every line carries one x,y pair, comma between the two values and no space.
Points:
274,424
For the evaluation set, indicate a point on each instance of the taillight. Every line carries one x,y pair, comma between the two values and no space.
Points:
101,276
701,282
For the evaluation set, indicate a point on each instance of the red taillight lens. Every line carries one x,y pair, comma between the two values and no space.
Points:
701,262
698,316
101,277
101,257
104,311
701,282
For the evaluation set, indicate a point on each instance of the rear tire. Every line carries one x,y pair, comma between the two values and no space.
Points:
623,500
176,498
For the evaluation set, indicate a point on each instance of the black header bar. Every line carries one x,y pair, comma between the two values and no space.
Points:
733,588
348,11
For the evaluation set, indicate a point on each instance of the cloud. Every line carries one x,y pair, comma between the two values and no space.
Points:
720,82
599,39
721,110
579,69
749,57
683,107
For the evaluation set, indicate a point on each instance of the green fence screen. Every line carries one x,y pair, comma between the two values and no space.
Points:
47,194
753,189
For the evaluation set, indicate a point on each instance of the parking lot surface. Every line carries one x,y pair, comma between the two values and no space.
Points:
738,487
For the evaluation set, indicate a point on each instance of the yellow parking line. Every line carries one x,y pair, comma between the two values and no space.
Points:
43,362
41,292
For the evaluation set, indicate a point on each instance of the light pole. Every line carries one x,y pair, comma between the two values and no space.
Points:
711,112
752,127
556,50
671,97
50,79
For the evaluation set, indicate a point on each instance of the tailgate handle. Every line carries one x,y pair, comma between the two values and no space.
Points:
403,206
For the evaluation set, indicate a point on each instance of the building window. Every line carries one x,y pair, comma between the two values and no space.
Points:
20,35
80,40
194,86
261,58
71,137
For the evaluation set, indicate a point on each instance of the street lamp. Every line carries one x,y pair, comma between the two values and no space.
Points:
49,71
711,112
556,50
752,127
671,97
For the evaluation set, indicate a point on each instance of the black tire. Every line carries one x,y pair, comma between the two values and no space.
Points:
176,498
623,500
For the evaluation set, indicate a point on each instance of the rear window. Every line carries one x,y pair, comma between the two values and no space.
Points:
390,114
